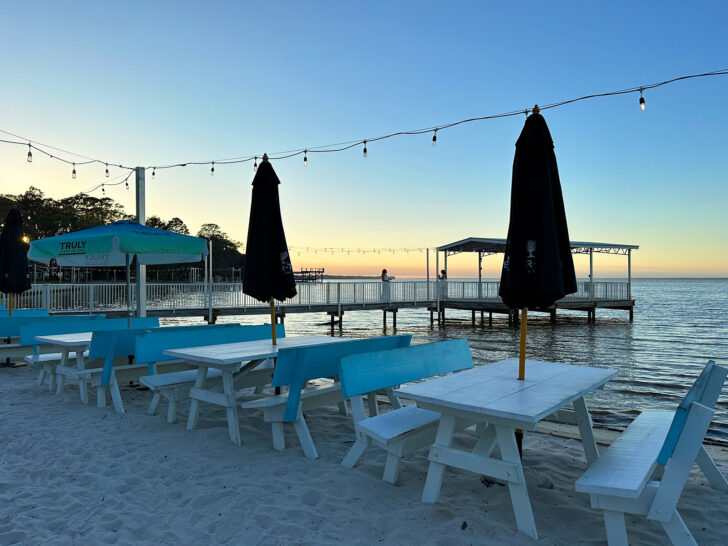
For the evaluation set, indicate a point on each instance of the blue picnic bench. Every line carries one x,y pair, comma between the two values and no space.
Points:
10,330
106,345
47,362
175,386
644,471
404,429
295,366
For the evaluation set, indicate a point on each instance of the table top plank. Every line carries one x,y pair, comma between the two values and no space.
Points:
235,353
495,390
75,339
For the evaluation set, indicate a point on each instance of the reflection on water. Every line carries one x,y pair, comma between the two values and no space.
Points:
678,326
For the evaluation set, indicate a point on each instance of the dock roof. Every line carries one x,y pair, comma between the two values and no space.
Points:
496,246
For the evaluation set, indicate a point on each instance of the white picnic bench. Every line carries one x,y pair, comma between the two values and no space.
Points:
295,367
665,443
492,398
175,386
231,359
404,429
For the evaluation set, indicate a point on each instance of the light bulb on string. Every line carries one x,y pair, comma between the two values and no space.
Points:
365,148
30,154
434,139
107,170
642,100
212,169
103,190
305,159
73,172
255,164
127,184
154,171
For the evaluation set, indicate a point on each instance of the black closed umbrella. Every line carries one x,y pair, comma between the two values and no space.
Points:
537,268
268,274
14,273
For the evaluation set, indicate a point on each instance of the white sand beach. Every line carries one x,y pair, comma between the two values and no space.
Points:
76,474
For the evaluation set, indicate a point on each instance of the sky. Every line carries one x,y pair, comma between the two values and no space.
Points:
152,83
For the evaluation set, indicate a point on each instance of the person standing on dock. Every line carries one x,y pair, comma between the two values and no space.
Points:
443,284
385,286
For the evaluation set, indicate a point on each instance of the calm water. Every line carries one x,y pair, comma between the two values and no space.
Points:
678,326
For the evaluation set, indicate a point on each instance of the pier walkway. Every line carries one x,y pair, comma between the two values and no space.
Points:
332,298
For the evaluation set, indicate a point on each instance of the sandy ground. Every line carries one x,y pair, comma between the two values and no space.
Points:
75,474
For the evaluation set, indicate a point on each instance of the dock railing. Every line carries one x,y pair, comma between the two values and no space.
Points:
60,298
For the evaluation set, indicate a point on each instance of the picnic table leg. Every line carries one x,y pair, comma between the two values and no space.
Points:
60,378
616,530
445,431
516,484
304,436
194,403
585,429
232,407
707,465
486,439
156,399
116,394
100,396
82,386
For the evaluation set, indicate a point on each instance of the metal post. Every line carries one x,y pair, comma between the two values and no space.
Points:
480,275
591,274
128,291
629,273
437,283
141,270
212,280
428,273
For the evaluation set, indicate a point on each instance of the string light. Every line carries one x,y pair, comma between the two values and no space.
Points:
434,138
73,172
305,159
103,190
107,170
30,154
127,184
212,169
255,164
340,147
154,172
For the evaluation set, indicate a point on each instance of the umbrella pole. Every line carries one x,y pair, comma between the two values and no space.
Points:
128,294
10,304
522,354
273,332
522,369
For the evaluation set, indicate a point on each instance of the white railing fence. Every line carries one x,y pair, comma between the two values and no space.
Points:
173,296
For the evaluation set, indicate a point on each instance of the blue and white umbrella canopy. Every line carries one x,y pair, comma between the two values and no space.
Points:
112,245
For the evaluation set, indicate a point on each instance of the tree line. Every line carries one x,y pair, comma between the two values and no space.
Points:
46,217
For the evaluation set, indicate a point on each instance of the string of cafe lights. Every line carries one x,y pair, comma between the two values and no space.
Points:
79,160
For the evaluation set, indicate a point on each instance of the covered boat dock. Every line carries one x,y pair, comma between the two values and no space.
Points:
590,294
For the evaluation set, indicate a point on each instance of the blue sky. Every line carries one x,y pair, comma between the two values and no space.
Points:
153,83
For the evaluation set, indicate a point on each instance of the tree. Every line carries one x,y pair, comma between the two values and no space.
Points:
225,253
175,224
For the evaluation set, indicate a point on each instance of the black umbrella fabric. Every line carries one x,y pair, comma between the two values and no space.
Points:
268,273
537,268
14,274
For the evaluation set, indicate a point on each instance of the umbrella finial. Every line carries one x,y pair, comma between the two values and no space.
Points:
265,158
536,109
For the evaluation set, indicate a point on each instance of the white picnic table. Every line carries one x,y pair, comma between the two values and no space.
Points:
492,398
233,359
78,342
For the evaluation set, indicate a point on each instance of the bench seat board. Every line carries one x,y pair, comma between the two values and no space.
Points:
395,424
175,379
627,465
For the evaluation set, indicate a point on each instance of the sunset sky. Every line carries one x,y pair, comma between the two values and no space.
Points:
165,82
